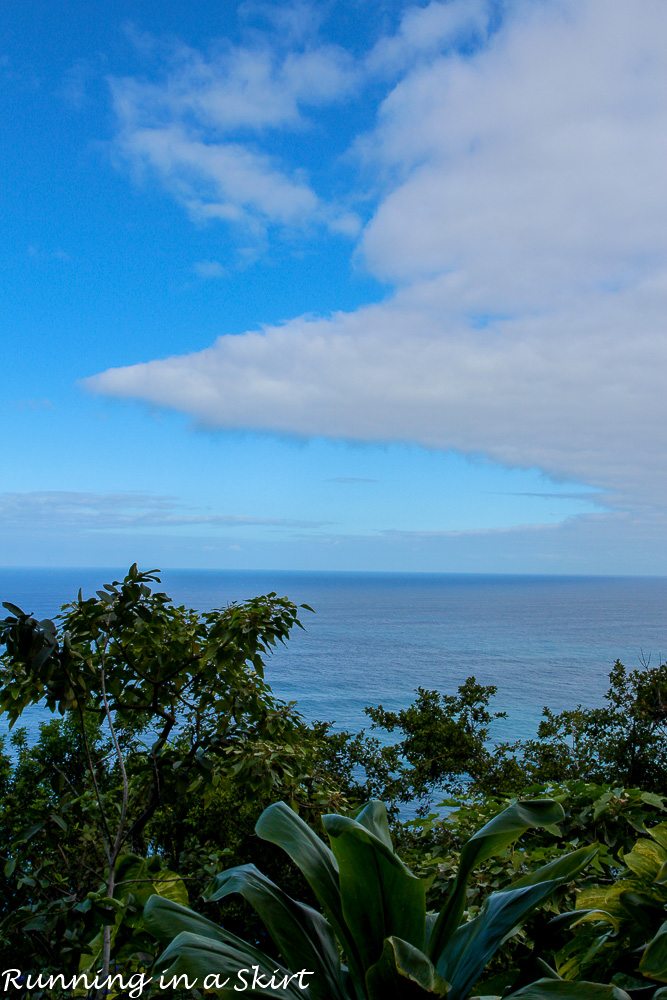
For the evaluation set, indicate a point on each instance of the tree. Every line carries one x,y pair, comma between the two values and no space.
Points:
443,744
622,742
158,699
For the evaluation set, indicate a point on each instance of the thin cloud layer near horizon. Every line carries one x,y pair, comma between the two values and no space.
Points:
389,288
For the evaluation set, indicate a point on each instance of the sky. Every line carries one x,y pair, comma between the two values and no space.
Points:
339,286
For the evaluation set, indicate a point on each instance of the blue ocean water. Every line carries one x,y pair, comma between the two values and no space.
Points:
375,637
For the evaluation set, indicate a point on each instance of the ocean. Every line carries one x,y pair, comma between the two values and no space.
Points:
376,637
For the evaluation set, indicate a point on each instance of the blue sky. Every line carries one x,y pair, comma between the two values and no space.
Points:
334,286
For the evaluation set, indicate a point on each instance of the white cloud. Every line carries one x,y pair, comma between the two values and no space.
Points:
524,226
65,510
425,31
294,21
196,127
535,166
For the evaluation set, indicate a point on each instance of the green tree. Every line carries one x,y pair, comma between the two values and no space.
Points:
159,700
443,745
623,742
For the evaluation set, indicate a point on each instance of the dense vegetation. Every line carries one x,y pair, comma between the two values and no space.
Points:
167,744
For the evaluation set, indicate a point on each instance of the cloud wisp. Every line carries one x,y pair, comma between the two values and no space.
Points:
521,220
199,127
107,512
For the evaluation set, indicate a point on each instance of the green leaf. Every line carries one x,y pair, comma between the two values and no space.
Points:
280,825
463,959
645,859
544,989
380,896
572,918
59,821
301,934
171,886
563,869
659,834
651,799
654,960
199,957
373,817
465,956
165,919
403,973
14,609
492,839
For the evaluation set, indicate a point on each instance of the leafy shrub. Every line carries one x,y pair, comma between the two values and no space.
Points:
374,911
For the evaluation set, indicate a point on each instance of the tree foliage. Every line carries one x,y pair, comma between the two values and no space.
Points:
162,707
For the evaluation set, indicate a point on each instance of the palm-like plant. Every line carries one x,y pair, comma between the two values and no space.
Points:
374,939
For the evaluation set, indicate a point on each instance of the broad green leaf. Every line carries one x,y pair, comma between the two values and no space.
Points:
654,960
280,825
14,609
430,924
302,935
544,989
492,839
170,885
653,800
403,973
572,918
659,834
507,826
464,958
199,957
380,896
374,817
137,876
563,868
166,919
646,858
603,898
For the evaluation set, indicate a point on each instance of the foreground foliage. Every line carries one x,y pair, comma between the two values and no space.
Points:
595,946
374,907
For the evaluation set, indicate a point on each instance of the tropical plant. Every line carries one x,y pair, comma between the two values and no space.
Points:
620,924
608,817
374,913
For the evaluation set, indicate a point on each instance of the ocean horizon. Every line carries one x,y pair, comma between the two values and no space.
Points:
377,636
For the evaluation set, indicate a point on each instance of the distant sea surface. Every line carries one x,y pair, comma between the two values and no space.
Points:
376,637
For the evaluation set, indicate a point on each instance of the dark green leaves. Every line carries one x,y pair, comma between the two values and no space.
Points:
301,934
380,896
376,907
498,833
